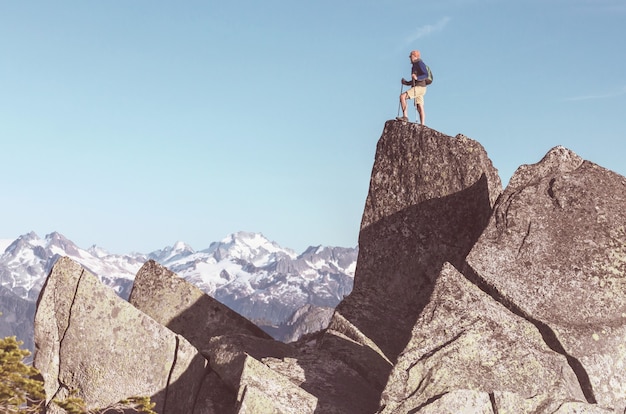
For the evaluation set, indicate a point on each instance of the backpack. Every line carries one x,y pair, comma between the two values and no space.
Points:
429,79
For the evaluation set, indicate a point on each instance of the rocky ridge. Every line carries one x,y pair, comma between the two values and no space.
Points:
467,298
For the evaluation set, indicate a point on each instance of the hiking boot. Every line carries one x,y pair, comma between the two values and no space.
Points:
402,118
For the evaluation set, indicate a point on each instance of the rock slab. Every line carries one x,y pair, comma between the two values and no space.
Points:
555,250
430,197
90,341
184,308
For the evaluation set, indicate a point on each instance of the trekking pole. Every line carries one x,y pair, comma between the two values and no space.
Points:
401,88
415,101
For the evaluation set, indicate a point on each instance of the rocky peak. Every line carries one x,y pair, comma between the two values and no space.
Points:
253,248
20,242
58,241
558,160
176,252
467,299
414,165
430,198
340,256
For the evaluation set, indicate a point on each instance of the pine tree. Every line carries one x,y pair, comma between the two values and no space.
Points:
21,392
18,383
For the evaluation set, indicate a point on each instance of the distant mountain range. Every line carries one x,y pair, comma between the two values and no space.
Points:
272,286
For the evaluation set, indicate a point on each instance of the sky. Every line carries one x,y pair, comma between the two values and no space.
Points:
135,124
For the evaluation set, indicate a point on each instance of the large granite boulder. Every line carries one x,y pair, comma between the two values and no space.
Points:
465,340
252,372
227,355
184,308
90,341
555,251
531,321
233,345
263,390
430,197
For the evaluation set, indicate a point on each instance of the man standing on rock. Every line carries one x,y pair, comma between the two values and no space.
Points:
419,73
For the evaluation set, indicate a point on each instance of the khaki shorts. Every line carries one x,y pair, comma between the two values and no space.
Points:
417,93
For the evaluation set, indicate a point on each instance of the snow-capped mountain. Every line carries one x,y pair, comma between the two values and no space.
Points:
251,274
26,262
261,280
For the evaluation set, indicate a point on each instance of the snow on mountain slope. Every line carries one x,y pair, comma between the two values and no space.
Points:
253,248
263,281
4,243
246,271
26,262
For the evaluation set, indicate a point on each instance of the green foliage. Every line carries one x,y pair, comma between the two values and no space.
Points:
18,385
22,393
139,404
74,405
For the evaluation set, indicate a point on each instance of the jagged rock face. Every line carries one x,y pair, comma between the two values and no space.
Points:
430,197
555,251
254,372
461,303
464,339
184,308
233,345
307,319
263,390
227,353
339,388
417,164
89,340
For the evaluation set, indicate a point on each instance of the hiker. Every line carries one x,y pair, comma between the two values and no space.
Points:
419,73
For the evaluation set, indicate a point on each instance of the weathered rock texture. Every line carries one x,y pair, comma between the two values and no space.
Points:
229,341
89,340
467,299
430,198
555,253
308,318
184,308
301,379
464,340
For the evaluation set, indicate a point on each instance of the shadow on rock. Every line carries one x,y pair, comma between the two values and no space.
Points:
399,257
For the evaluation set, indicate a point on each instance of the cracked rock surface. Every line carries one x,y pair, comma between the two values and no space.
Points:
90,341
467,299
430,197
555,248
464,339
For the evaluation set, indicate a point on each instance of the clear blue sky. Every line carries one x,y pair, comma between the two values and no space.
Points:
134,124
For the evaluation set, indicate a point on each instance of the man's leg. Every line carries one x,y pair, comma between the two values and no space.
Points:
419,104
403,98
